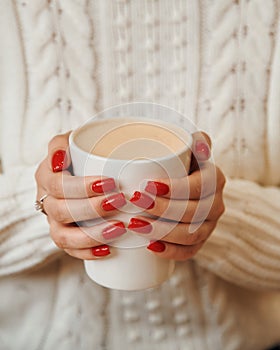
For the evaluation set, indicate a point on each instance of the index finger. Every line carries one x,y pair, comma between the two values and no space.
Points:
64,185
199,184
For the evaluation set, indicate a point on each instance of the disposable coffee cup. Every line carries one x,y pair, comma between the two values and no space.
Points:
132,144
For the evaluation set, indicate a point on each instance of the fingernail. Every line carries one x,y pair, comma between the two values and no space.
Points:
101,250
114,231
58,161
139,225
142,200
113,202
105,185
157,188
156,246
202,149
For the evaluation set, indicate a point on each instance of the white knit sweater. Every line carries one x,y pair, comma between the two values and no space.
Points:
217,62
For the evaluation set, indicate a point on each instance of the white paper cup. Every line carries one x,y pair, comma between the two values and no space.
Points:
130,266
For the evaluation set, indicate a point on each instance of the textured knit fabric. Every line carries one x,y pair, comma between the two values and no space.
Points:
217,63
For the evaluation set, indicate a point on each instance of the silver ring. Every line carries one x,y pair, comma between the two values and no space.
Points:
39,204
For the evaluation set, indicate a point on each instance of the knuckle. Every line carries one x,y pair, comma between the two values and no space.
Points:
220,201
222,208
201,233
162,206
223,181
55,186
59,237
179,253
70,252
90,209
185,255
219,209
59,213
221,178
61,242
203,210
211,229
191,238
209,180
198,236
207,187
194,238
191,251
197,188
180,187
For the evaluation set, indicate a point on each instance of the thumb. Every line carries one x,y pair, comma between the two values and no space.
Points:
200,150
201,146
58,153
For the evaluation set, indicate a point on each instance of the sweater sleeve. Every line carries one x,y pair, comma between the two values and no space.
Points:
24,234
245,247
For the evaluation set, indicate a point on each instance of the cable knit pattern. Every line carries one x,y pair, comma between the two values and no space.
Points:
257,46
273,107
214,61
19,225
137,69
77,38
247,237
42,83
219,99
240,42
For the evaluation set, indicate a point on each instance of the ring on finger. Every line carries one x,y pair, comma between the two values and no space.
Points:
39,204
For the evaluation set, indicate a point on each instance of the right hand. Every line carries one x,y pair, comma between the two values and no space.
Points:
72,199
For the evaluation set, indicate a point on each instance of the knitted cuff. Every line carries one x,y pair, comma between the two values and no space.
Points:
245,247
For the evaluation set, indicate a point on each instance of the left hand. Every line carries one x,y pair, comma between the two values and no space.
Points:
187,209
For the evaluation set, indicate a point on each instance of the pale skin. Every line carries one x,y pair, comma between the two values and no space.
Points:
198,197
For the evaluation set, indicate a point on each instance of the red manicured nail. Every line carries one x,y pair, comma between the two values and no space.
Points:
113,202
142,200
101,250
139,225
58,161
156,246
202,149
105,185
114,231
157,188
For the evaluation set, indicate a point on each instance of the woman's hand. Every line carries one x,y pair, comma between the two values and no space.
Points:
186,210
72,198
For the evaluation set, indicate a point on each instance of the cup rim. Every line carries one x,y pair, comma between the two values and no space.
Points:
188,144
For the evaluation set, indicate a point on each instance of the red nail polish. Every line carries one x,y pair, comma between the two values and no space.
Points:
139,225
114,231
101,250
156,246
157,188
202,149
113,202
58,161
105,185
142,200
